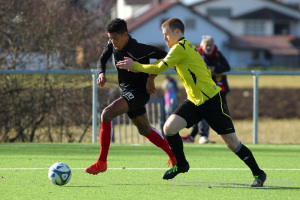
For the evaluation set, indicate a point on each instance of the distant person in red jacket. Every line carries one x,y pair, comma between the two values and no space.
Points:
217,64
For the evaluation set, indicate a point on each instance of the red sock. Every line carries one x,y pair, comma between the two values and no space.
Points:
156,138
105,135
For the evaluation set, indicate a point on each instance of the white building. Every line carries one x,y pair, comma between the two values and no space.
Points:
256,32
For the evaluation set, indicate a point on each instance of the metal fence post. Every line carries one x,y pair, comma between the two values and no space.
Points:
255,105
95,113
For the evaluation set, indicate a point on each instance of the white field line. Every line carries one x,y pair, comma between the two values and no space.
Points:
147,144
228,169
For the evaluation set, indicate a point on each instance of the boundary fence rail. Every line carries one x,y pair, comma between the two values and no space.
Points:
94,73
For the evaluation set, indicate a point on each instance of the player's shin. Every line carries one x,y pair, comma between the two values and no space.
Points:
158,139
105,136
246,155
176,145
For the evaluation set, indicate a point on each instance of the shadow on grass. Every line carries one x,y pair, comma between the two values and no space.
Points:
278,188
116,184
136,184
265,187
226,184
203,185
84,186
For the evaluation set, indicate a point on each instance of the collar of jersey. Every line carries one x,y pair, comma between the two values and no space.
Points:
130,41
181,39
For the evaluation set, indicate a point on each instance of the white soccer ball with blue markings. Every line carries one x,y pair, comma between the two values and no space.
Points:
59,173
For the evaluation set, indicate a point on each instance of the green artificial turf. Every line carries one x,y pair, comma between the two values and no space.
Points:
134,172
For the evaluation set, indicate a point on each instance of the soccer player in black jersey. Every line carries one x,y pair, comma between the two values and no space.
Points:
204,100
134,93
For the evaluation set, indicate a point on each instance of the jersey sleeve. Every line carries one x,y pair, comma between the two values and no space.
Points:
106,54
175,55
156,67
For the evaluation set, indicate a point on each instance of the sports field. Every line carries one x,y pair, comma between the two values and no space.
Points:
134,172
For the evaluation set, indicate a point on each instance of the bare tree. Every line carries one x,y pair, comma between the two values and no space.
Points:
42,34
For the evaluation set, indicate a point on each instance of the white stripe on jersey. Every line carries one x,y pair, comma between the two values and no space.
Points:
140,57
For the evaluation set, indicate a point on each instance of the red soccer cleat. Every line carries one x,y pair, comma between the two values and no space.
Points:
187,139
172,161
96,168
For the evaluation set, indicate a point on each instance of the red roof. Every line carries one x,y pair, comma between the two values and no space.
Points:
132,23
277,45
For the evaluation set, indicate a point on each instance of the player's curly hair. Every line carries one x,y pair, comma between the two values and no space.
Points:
116,25
173,24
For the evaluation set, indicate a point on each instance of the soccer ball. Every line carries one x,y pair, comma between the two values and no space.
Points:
59,173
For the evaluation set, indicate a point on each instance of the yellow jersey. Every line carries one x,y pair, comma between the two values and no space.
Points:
190,67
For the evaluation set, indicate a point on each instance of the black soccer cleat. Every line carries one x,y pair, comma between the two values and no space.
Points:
259,180
171,173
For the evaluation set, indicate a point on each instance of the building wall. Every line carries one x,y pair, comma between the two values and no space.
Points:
150,32
123,10
239,58
286,60
237,8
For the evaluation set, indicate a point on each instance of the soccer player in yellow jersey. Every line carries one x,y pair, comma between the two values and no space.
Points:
204,100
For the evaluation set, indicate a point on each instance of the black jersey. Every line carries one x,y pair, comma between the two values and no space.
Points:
130,81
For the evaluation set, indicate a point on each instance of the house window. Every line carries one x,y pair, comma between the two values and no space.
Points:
190,24
267,55
254,28
219,12
281,28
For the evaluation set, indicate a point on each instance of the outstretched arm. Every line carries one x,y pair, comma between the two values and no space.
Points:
156,67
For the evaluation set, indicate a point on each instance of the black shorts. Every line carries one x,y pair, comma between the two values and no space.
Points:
214,111
136,102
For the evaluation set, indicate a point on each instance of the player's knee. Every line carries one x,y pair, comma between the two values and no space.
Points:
233,145
168,129
231,141
105,115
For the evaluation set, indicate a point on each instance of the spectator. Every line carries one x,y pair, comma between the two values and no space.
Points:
170,95
217,64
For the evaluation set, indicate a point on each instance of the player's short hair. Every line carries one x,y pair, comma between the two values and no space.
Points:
173,24
116,25
207,38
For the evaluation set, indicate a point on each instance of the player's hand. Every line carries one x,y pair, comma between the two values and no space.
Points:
125,64
101,80
150,86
